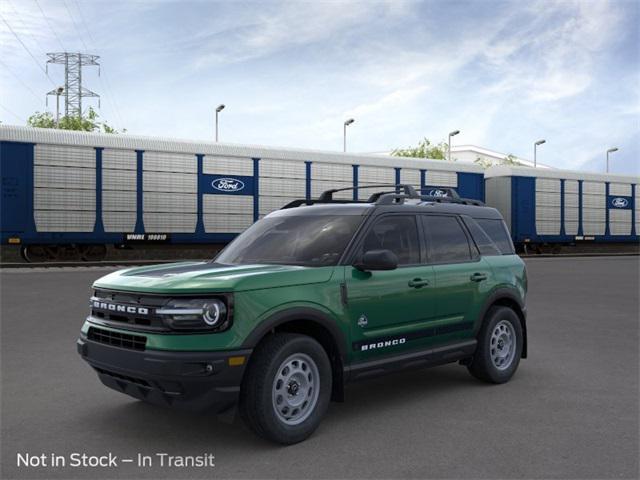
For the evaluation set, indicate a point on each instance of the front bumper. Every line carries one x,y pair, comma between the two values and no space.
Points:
188,380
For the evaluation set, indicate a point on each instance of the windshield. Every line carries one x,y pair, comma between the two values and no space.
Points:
315,241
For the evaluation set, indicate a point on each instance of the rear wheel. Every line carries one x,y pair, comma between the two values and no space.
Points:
287,388
499,346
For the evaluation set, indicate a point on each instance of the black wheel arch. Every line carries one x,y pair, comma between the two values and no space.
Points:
316,324
507,298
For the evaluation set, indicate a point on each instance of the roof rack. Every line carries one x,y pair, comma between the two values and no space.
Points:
437,195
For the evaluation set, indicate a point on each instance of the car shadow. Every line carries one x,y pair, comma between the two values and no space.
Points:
153,426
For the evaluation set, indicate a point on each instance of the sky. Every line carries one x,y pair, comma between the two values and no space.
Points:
290,73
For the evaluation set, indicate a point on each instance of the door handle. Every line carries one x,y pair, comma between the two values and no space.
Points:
418,282
478,277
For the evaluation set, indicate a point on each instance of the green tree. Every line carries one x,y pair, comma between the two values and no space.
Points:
510,160
425,149
87,123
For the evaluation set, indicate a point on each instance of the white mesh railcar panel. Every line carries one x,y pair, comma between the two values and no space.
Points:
548,199
619,222
119,159
593,228
598,188
64,177
169,182
332,171
227,213
119,180
570,228
282,187
228,204
114,221
64,199
170,202
594,214
441,179
64,193
594,201
169,222
119,184
623,189
169,162
547,185
410,176
227,166
571,186
282,169
544,227
571,210
65,156
373,175
637,205
64,220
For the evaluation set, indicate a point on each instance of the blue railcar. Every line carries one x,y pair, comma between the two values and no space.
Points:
86,190
548,206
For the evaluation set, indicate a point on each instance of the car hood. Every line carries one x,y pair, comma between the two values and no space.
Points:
201,277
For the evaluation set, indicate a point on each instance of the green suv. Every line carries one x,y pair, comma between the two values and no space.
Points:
313,296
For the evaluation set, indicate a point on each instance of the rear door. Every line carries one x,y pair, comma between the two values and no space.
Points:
461,276
387,309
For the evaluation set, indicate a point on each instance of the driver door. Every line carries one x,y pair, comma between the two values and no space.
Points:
388,309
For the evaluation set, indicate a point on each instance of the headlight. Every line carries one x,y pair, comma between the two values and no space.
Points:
195,314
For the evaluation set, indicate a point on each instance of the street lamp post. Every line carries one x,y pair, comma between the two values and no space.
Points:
344,134
535,152
451,134
218,110
59,91
611,150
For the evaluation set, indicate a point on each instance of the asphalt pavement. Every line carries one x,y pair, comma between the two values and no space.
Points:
571,411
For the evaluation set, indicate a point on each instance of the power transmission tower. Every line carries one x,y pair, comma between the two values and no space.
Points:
74,92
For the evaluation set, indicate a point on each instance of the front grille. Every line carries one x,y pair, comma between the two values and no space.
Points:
117,339
133,310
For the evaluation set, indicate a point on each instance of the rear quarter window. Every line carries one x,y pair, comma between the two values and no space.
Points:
497,231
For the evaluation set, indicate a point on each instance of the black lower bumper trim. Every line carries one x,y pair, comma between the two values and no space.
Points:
189,380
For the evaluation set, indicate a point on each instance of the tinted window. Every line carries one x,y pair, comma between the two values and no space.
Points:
497,231
398,234
446,240
482,240
316,240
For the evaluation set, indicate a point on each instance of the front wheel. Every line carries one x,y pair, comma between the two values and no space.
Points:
499,346
287,388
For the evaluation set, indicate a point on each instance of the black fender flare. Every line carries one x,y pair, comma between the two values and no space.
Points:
501,294
299,313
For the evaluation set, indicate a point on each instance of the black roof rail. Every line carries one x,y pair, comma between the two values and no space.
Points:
327,195
400,193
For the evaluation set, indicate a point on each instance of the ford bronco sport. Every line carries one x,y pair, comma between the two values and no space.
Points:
315,295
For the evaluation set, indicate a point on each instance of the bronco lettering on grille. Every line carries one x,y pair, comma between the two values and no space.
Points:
113,307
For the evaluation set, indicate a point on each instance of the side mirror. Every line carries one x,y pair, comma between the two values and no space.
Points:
377,260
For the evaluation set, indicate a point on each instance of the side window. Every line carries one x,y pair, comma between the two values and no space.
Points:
446,240
482,240
398,234
497,231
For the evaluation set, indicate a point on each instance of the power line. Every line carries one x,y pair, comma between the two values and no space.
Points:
106,83
10,112
46,19
28,51
75,25
20,80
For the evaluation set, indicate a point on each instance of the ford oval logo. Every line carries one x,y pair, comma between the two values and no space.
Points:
228,184
436,192
620,202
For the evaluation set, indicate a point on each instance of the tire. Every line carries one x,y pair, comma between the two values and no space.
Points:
499,346
287,388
